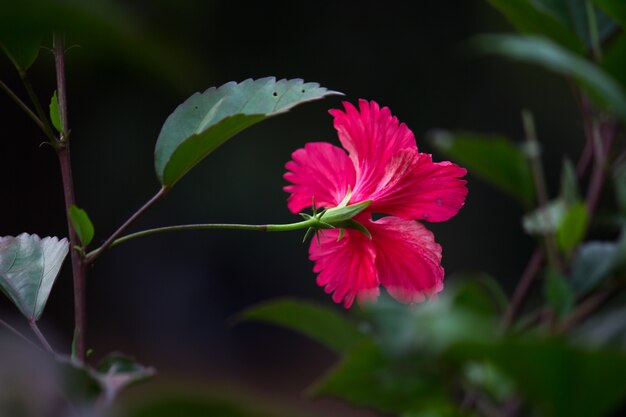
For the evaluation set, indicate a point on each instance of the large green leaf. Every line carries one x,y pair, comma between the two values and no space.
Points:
574,15
614,59
534,50
528,18
29,266
21,46
106,31
182,403
367,377
405,368
494,158
206,120
559,379
614,8
322,324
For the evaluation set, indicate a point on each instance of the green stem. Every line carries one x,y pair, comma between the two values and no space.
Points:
305,224
93,255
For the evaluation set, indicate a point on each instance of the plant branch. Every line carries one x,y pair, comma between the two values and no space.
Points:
540,185
42,339
18,333
95,254
25,108
208,226
584,310
521,291
38,109
63,153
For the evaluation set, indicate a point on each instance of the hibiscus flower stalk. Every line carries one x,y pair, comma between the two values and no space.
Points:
339,217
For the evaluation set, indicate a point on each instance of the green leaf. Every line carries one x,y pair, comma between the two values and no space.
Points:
534,50
490,379
206,120
572,229
88,386
593,263
127,41
428,328
545,220
496,159
614,59
404,368
366,377
322,324
596,262
205,404
569,191
82,225
117,372
55,116
29,266
22,47
573,15
614,8
603,330
480,294
559,294
559,379
532,20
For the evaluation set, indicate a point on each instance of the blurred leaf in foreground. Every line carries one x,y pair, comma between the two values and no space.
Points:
322,324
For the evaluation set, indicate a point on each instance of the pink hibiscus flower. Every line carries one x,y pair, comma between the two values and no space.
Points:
383,165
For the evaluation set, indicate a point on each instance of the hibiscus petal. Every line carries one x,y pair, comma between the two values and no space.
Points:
346,267
372,136
408,259
414,187
319,170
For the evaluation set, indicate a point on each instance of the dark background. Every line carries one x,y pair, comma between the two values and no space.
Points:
168,299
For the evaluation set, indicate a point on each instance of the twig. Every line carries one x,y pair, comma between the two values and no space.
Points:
18,333
38,109
24,107
521,291
95,254
584,310
540,185
42,339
